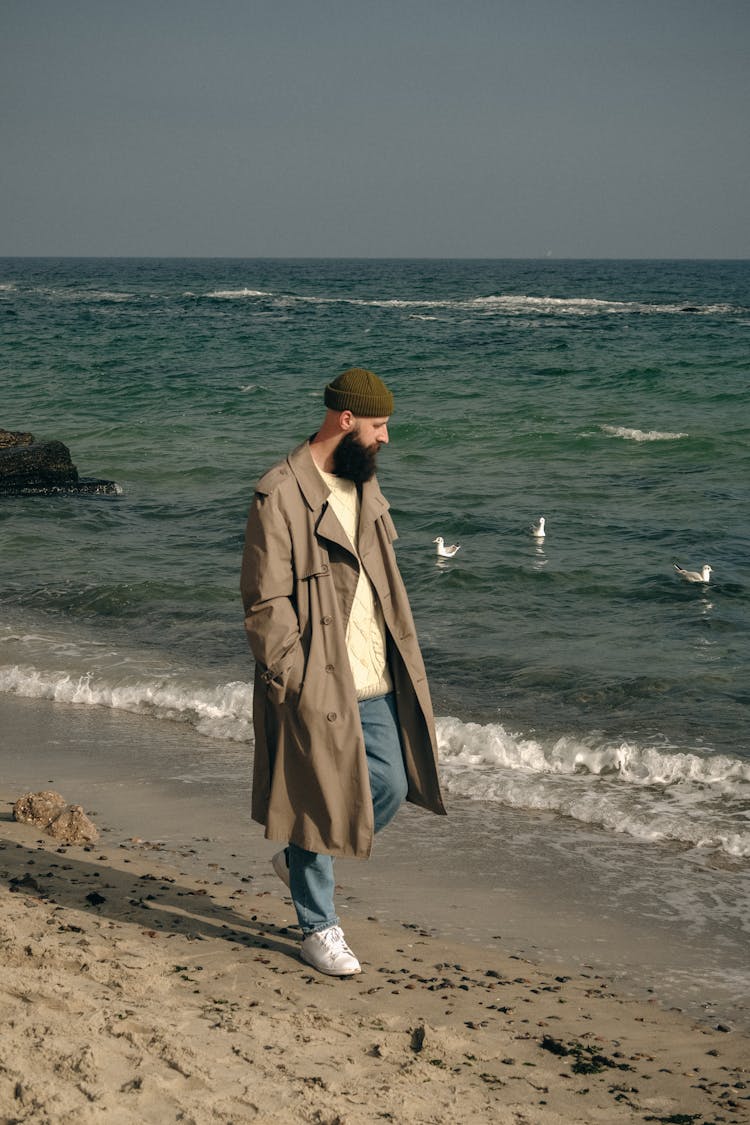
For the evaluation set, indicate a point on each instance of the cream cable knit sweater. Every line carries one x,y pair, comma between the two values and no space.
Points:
365,632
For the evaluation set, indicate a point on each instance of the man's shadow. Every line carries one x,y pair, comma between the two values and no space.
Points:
153,902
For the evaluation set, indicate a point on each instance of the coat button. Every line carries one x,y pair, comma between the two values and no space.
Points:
329,667
326,620
331,716
324,569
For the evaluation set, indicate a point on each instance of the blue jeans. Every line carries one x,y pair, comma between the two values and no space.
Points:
311,873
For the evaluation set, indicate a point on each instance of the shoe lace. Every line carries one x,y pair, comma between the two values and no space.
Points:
333,939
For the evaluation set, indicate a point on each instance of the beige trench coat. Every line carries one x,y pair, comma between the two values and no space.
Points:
310,779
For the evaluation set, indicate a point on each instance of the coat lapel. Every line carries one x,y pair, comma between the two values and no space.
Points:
315,493
372,506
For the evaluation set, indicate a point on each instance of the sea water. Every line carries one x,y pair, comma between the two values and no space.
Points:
576,676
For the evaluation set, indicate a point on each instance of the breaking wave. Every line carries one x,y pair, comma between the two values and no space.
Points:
652,793
629,434
509,304
223,711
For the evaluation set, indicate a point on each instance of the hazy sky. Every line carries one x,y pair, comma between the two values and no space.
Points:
413,128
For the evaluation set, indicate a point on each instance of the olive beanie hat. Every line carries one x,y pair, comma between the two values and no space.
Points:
361,392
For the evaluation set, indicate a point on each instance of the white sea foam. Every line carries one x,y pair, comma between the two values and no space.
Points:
509,304
94,295
237,294
477,745
629,434
223,711
108,296
652,793
583,306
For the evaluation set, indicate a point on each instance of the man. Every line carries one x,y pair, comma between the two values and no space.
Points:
344,730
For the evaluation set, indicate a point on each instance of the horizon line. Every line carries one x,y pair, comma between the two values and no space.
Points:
362,258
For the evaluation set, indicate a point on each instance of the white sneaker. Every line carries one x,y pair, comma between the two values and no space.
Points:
327,951
279,864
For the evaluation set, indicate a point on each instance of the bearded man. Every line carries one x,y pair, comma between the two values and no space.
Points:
344,729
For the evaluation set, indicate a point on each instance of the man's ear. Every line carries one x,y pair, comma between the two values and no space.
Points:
347,421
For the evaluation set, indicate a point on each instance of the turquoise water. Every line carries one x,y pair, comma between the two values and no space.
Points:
578,675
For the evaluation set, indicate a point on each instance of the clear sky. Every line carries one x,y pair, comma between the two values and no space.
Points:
375,128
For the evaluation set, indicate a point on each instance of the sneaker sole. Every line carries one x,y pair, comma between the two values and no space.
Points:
329,972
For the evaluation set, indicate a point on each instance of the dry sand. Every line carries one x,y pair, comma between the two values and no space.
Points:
133,991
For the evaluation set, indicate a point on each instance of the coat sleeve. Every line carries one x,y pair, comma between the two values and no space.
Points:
267,586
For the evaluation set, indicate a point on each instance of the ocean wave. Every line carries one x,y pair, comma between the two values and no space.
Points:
652,793
655,794
223,711
73,296
236,294
629,434
586,306
474,744
509,304
106,296
582,306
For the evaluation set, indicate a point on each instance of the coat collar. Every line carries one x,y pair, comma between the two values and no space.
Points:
316,492
311,484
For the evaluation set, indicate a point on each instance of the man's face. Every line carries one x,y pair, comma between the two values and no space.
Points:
372,431
356,454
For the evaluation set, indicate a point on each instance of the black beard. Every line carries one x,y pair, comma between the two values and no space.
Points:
353,460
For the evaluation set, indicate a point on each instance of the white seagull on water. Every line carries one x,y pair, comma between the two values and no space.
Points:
446,552
537,529
701,575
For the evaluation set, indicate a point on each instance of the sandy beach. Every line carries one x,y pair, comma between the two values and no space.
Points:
138,988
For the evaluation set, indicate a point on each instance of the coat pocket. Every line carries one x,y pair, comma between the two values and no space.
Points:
287,677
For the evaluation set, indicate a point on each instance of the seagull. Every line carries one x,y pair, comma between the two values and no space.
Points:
446,552
537,529
701,575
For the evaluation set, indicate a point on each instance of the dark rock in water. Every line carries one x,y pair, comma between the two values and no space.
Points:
9,438
42,464
41,468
